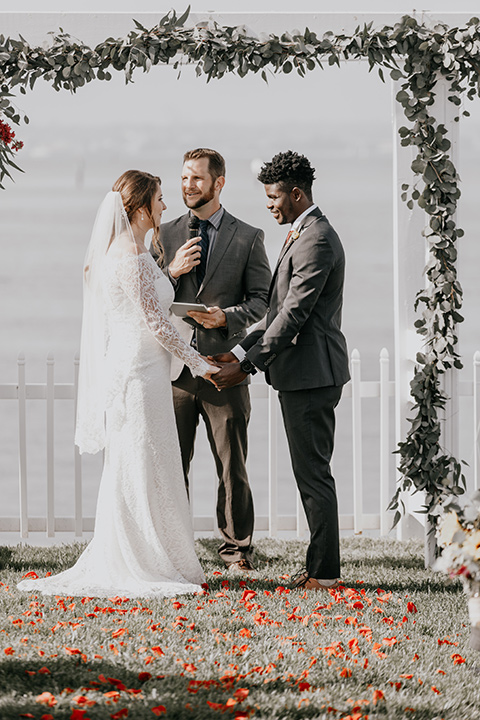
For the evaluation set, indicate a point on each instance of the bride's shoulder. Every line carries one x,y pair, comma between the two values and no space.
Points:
124,248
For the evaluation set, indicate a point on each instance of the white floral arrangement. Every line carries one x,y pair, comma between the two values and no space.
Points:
458,534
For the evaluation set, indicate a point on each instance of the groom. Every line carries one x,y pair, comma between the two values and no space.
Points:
223,265
300,348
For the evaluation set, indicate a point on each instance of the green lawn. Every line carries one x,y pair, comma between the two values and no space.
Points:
392,643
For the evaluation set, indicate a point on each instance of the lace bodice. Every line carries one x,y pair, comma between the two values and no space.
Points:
134,283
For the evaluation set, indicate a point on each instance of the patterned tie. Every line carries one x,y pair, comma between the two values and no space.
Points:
204,243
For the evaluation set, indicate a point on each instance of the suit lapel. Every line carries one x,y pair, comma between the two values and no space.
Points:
306,222
225,234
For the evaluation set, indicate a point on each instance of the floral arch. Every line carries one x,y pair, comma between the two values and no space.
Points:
417,57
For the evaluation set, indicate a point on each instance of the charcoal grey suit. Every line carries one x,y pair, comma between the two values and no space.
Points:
236,280
301,349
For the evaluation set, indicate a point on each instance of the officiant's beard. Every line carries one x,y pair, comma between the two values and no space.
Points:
198,201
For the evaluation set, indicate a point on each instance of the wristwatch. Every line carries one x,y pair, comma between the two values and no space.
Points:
248,367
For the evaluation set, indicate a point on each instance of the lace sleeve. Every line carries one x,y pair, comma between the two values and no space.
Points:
137,275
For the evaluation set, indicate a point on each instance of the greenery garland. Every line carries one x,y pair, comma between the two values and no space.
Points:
415,55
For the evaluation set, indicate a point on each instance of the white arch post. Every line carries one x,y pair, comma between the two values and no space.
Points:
410,255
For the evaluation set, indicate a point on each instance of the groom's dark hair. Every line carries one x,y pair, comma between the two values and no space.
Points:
289,170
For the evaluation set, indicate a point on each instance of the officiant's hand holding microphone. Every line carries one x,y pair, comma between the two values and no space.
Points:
188,255
186,259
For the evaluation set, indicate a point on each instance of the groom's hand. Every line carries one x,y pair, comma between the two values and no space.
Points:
229,375
186,257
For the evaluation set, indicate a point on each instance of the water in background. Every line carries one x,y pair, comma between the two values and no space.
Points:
72,160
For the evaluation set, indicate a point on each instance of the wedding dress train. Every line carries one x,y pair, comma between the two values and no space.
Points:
143,543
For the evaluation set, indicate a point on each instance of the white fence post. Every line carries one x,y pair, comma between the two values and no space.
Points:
302,524
272,462
476,420
384,440
50,447
358,389
357,444
77,459
22,446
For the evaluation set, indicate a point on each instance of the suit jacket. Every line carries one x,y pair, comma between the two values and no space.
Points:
299,343
237,280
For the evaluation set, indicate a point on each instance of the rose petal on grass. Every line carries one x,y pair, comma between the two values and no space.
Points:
159,710
79,715
119,632
241,694
83,700
216,706
390,641
446,641
189,667
46,698
378,695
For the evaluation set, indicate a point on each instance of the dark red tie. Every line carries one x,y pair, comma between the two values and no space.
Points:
287,240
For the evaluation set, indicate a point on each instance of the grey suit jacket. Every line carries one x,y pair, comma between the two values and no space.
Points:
299,343
237,280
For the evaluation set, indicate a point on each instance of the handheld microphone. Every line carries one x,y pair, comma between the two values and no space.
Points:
193,226
193,230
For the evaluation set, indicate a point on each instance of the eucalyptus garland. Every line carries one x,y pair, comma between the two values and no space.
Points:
416,56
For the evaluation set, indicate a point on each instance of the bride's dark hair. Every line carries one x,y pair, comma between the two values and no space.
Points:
137,189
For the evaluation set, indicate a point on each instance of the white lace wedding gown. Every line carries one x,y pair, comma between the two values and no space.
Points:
143,543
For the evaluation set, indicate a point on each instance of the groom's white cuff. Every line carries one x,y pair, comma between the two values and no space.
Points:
239,352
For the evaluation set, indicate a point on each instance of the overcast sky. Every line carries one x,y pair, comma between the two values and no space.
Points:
241,5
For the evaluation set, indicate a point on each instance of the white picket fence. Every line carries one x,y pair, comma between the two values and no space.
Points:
355,391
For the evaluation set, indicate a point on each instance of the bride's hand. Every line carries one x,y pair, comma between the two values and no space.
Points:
210,361
212,369
208,375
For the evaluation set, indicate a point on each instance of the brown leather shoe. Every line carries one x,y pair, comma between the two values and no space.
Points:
242,566
303,581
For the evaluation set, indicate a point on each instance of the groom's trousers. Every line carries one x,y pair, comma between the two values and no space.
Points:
309,419
226,415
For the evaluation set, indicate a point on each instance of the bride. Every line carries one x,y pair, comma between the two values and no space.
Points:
143,543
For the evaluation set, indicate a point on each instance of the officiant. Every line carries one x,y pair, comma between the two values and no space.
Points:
225,267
